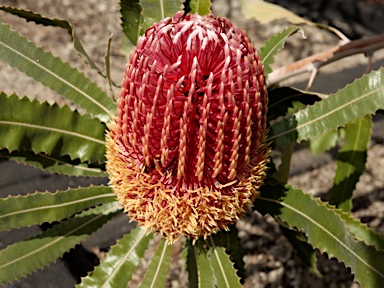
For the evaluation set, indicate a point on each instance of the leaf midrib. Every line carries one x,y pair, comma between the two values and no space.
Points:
121,262
58,205
13,123
56,76
59,238
323,116
325,230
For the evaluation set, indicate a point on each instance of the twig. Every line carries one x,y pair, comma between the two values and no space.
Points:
314,62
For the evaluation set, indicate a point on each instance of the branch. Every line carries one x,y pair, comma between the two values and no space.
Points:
315,62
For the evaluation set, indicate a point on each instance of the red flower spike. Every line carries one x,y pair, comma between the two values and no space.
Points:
186,152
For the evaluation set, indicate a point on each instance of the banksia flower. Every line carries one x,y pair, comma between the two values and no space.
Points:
186,153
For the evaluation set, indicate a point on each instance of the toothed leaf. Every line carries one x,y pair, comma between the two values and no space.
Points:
325,230
55,163
20,259
138,15
362,97
55,74
121,262
211,265
37,208
233,247
225,273
305,251
359,230
273,45
157,271
155,10
131,19
64,24
41,127
201,7
350,163
283,98
324,142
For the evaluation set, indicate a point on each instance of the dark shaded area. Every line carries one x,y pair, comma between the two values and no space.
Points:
356,19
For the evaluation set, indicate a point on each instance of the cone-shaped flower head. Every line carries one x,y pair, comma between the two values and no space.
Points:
186,152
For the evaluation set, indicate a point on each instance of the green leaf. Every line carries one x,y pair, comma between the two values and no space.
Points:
41,127
351,162
199,266
210,263
157,271
24,257
233,247
362,97
265,12
155,10
283,98
37,208
138,15
55,163
121,262
324,142
201,7
305,251
64,24
325,230
223,267
191,265
273,45
282,173
55,74
361,231
131,19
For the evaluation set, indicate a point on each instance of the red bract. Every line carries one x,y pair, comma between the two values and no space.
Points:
186,152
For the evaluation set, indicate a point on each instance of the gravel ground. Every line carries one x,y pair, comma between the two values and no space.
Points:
270,259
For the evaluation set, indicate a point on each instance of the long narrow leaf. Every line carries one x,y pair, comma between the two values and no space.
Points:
283,98
55,163
157,271
37,208
273,45
121,262
223,267
131,19
362,97
205,273
233,247
351,162
191,264
201,7
64,24
155,10
24,257
325,230
41,127
55,74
